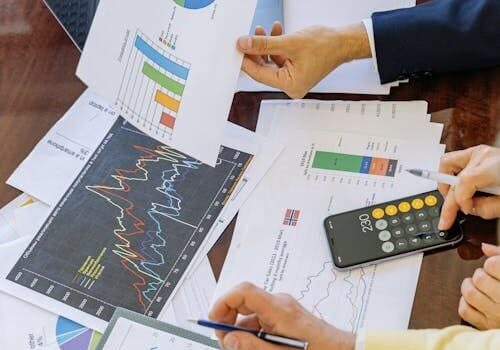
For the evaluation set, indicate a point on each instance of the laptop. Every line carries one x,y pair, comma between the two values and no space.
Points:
75,16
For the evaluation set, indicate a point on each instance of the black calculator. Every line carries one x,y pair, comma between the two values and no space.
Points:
388,230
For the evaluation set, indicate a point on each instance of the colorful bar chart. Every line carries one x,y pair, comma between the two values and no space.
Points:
354,164
153,85
194,4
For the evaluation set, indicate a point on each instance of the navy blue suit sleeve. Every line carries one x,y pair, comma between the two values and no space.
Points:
437,36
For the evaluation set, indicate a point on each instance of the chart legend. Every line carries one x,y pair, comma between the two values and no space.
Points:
351,163
194,4
152,86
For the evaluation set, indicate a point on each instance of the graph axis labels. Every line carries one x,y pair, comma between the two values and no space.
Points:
152,86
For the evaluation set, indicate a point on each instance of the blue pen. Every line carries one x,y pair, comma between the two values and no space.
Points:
276,339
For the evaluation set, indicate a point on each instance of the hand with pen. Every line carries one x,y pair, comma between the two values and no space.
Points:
477,167
251,307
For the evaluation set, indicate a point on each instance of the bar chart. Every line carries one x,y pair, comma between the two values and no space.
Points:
152,86
354,164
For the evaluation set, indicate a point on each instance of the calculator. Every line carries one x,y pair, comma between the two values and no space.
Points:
389,230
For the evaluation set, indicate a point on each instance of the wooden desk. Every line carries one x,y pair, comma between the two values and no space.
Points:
38,84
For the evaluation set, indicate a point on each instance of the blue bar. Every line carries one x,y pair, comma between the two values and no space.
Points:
365,165
159,59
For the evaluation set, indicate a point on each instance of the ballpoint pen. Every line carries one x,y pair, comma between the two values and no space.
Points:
276,339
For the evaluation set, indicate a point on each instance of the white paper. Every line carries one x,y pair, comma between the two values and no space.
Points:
170,70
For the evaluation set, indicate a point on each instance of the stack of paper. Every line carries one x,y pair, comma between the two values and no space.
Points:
279,239
354,77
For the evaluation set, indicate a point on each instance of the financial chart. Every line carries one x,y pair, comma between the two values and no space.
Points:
152,86
72,336
130,225
194,4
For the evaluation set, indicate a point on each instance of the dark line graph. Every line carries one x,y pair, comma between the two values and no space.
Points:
130,225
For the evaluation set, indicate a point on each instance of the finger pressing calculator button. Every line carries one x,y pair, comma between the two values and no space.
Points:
415,241
381,224
378,213
425,226
434,211
384,236
395,221
417,204
391,210
404,207
401,244
398,232
421,215
411,229
431,201
408,218
388,247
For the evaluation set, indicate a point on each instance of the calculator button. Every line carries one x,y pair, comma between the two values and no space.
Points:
384,236
434,211
391,210
401,244
417,204
408,218
381,224
431,201
398,232
388,247
428,238
404,207
442,234
411,229
425,226
378,213
421,215
414,241
395,221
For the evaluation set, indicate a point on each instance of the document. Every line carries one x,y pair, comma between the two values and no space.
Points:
169,67
282,221
130,331
354,77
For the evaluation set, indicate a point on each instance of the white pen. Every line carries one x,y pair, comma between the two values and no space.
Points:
449,180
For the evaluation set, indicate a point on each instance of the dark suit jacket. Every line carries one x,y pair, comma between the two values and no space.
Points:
437,36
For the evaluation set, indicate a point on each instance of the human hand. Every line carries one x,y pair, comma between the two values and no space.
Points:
300,60
276,314
477,167
480,302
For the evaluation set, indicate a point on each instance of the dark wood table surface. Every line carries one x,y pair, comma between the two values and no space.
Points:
38,84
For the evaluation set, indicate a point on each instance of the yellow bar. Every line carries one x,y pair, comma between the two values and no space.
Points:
84,266
167,101
99,273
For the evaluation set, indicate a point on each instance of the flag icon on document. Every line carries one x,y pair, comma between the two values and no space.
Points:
291,217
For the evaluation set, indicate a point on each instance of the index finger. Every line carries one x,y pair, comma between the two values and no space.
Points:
452,163
245,299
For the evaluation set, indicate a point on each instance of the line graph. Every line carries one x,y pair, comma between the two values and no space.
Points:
151,208
339,298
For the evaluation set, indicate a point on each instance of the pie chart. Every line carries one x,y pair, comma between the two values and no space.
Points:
73,336
194,4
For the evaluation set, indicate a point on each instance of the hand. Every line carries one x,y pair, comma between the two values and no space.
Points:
480,302
477,167
277,314
300,60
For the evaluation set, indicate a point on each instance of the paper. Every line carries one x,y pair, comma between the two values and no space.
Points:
169,67
354,77
295,257
61,154
129,331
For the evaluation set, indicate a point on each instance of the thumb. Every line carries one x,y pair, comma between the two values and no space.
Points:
263,45
246,341
490,249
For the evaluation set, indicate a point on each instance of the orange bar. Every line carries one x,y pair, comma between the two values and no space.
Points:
167,101
167,120
379,166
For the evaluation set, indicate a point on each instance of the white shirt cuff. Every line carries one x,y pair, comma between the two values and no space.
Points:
371,37
360,340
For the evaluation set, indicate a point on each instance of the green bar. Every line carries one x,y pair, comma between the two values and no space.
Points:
161,79
337,161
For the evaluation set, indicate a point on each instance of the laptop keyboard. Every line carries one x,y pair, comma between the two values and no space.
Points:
76,16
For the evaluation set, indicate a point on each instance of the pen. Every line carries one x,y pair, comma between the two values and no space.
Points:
276,339
449,180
